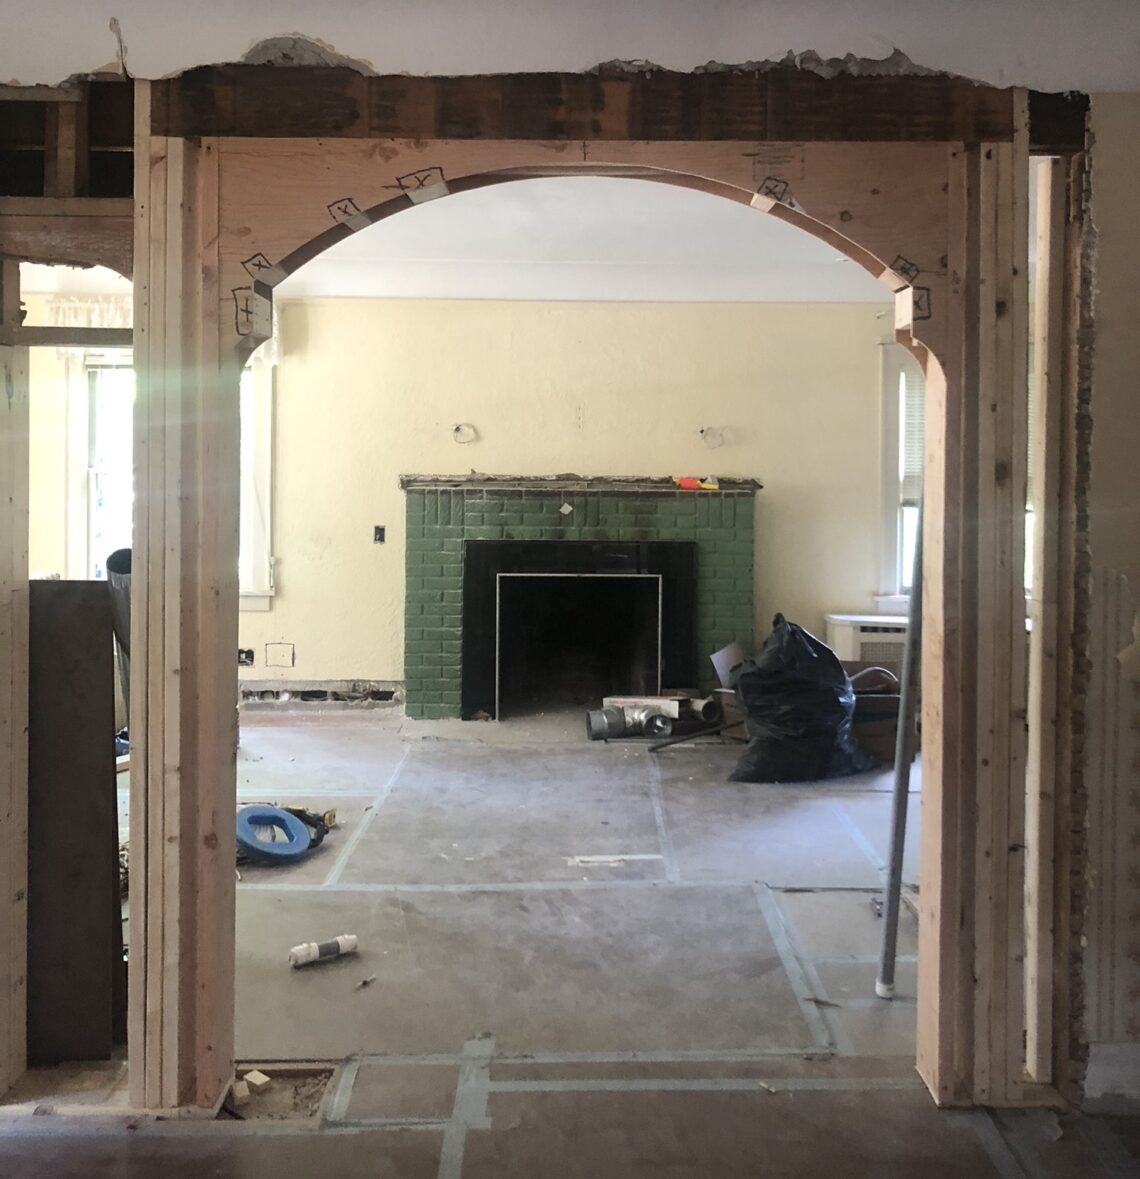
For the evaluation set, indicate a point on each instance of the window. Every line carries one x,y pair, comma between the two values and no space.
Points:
109,498
903,417
100,468
903,424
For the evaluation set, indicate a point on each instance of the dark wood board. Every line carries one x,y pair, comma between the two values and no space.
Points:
773,103
74,922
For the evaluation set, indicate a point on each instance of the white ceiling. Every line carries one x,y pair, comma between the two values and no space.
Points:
1046,44
586,237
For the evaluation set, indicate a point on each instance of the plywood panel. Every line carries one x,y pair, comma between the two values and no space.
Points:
284,200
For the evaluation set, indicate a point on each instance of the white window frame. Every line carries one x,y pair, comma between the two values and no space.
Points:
894,359
78,364
256,569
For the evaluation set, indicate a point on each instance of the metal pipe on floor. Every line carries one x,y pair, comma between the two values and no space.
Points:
904,757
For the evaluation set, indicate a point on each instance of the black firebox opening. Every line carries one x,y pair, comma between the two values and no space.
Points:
675,562
570,640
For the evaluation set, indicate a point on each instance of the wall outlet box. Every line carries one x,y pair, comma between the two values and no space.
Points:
378,531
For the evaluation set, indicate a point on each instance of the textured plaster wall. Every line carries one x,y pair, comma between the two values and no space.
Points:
1114,490
1112,745
370,389
1047,44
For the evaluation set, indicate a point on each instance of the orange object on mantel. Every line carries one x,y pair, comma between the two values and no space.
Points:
697,483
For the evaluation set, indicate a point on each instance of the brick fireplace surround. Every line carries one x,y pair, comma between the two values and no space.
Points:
443,515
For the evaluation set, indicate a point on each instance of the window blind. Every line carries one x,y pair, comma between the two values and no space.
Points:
911,432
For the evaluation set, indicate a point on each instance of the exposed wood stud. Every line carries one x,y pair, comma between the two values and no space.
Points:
65,150
74,337
183,725
945,978
1046,691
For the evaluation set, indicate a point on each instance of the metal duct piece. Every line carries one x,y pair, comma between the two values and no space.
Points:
650,721
708,709
603,723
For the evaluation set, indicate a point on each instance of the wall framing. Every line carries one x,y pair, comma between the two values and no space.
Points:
234,190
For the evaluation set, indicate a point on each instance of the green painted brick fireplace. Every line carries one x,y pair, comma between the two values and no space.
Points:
441,519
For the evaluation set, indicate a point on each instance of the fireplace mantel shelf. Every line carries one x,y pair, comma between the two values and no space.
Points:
569,482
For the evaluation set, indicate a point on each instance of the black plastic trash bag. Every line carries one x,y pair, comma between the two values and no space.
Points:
798,702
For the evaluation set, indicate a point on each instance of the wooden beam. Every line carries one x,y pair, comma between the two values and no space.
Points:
74,337
91,208
68,231
65,149
1048,434
40,93
13,688
945,975
974,684
774,103
184,614
1000,698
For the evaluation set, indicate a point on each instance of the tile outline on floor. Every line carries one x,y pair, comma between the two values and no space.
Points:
385,792
801,973
470,1109
989,1134
664,836
857,837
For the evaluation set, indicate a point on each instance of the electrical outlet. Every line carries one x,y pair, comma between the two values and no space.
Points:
378,533
245,656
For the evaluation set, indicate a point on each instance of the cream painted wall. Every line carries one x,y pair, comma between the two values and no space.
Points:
370,389
1114,491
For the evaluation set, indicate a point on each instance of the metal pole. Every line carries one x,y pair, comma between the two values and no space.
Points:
904,756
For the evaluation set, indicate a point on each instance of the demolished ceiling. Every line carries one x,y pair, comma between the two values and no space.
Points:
1042,44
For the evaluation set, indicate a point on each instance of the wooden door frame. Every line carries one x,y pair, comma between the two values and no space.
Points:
222,214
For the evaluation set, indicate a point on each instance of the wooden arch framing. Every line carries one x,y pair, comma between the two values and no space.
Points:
226,205
221,220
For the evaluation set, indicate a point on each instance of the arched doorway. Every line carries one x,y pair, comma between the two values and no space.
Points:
232,182
368,380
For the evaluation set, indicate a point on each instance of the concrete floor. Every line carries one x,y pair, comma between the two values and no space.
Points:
562,896
586,960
